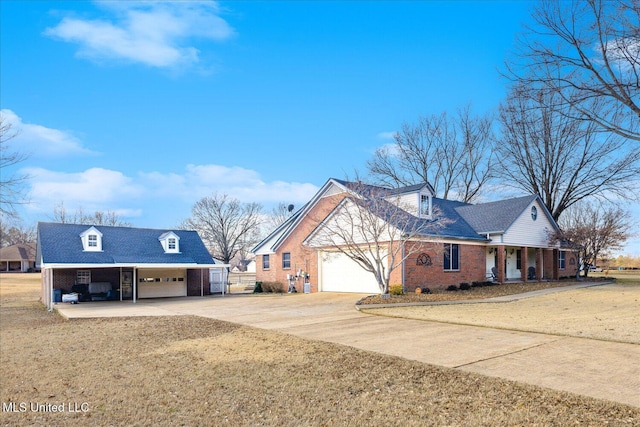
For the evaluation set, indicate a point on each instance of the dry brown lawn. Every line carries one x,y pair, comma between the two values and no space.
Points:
184,370
610,312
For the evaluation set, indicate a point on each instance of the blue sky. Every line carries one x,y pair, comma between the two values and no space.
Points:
143,108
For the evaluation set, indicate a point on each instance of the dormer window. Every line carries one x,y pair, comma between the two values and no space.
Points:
425,206
170,242
91,240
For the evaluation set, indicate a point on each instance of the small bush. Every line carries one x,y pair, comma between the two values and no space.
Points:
275,287
452,288
396,290
426,290
257,289
464,286
418,291
477,284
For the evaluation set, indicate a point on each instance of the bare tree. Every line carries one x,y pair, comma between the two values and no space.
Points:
544,151
596,230
15,232
374,230
109,217
451,154
11,184
587,51
225,225
279,215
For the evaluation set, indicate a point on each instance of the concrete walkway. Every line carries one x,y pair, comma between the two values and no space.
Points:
601,369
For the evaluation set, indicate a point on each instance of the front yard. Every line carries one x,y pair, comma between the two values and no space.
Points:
185,370
610,312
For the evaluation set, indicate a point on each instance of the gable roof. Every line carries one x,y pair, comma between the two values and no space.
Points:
61,244
497,217
463,221
19,252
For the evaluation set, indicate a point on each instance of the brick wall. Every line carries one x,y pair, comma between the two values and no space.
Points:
550,262
472,267
302,257
65,278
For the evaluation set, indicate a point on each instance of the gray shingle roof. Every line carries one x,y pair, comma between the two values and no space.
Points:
61,243
494,216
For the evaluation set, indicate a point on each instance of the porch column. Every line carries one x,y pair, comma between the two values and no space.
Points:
539,272
556,266
500,266
524,267
135,283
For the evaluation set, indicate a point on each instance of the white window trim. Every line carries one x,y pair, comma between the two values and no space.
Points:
429,203
91,245
165,241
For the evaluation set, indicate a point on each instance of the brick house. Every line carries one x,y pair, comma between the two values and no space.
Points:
506,240
123,263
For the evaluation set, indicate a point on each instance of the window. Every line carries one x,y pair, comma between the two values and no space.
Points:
286,260
83,277
561,260
265,262
534,213
424,205
451,256
170,242
91,240
519,259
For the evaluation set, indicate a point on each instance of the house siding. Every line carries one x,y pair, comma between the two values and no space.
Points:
472,268
521,232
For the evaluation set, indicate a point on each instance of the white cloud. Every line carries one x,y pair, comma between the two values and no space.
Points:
387,135
153,33
93,189
151,195
199,181
38,140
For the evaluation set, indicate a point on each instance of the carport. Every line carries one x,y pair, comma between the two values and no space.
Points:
102,263
128,282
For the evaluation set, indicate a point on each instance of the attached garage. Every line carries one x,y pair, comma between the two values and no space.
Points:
158,283
339,273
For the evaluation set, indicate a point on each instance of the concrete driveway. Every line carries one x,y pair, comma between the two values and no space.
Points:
601,369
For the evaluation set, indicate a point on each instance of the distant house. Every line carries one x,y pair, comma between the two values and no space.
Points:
18,258
122,263
502,241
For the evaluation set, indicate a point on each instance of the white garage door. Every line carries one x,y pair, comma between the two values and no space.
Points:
162,283
339,273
